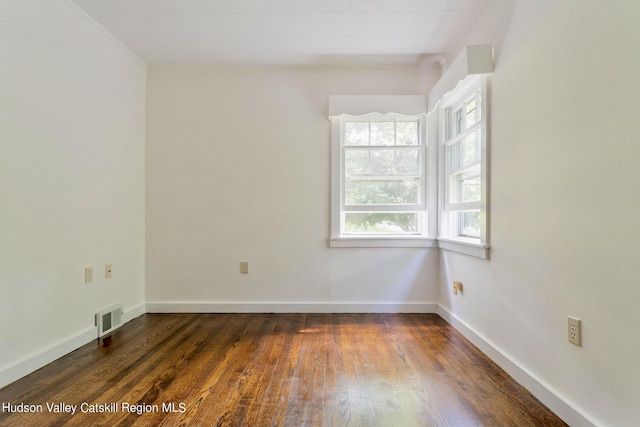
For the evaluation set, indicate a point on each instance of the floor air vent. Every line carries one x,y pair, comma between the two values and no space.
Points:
109,319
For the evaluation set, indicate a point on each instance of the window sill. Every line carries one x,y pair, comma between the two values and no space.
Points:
474,249
468,248
382,242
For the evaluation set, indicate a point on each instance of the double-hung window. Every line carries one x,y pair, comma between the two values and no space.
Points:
384,179
379,180
463,151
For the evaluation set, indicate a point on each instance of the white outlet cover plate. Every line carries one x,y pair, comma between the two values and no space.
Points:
574,330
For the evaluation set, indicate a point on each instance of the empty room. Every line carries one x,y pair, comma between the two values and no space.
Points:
319,212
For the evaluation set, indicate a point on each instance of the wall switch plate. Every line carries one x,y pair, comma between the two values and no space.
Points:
457,287
573,330
88,275
244,267
108,271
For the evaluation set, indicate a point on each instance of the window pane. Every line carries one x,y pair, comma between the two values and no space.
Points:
383,162
470,189
407,133
356,133
382,192
456,158
469,224
393,162
408,161
383,133
471,149
381,222
465,187
356,161
472,116
457,122
465,152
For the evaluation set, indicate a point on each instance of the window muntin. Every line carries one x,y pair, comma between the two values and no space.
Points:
383,176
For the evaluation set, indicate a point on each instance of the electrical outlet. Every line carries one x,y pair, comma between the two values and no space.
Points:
573,330
244,267
107,271
457,287
88,275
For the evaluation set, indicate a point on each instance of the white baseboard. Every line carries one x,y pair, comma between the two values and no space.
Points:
549,397
298,307
36,361
133,312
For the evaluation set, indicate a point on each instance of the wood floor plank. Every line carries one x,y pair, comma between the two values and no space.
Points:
266,369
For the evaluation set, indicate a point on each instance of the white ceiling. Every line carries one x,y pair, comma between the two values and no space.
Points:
278,32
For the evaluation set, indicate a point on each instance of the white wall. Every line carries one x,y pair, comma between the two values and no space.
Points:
564,200
72,130
238,169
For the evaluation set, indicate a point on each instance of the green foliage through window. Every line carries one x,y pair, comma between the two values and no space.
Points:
381,222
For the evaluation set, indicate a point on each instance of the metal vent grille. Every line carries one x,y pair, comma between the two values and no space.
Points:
109,320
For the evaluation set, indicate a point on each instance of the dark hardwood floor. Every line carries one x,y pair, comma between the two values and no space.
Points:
276,370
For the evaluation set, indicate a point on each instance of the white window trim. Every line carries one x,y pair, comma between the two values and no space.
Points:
382,242
468,248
